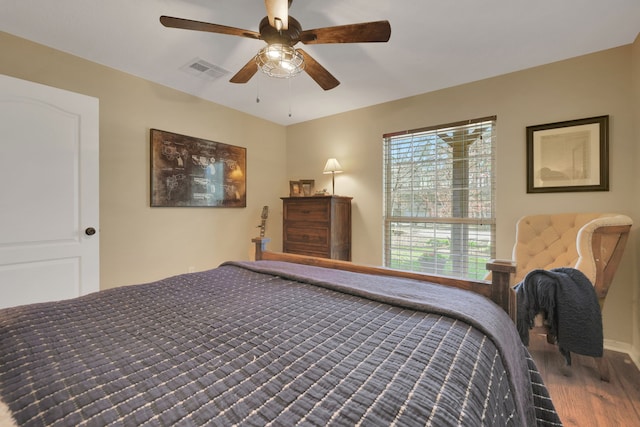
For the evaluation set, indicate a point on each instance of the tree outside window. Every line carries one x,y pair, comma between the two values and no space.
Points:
439,199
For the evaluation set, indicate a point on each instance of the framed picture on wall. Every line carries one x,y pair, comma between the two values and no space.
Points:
568,156
188,171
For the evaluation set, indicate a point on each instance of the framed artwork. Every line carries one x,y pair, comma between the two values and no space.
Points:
188,171
295,189
308,187
568,156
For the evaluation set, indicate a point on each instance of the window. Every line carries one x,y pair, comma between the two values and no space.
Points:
439,199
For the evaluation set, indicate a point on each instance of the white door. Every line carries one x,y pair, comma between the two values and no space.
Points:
48,193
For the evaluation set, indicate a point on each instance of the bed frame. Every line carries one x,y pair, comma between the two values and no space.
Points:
498,289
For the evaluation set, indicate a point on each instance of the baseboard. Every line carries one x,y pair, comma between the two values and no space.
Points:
624,347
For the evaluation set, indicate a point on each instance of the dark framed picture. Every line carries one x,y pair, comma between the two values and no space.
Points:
188,171
568,156
308,187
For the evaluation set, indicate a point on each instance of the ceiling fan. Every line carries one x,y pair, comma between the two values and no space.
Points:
281,32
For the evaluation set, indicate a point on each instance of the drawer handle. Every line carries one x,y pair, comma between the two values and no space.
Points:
305,237
306,212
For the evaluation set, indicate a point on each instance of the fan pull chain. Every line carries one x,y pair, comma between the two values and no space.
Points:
258,89
289,97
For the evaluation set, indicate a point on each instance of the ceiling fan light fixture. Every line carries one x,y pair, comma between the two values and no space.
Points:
278,24
280,60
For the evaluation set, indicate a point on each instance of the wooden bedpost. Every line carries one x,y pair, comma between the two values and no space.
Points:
261,246
501,291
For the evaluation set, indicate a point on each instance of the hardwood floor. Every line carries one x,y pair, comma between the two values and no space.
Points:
579,396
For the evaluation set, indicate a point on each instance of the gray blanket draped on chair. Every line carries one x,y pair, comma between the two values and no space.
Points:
570,305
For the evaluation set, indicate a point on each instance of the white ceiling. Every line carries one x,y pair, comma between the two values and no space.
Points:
434,44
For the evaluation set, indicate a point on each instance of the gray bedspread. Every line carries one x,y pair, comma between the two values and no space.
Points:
269,343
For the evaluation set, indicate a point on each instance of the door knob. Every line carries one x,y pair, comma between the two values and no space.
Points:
90,231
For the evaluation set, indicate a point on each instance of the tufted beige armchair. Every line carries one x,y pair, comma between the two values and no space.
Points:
590,242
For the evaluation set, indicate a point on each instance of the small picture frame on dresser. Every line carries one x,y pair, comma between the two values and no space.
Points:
308,187
295,189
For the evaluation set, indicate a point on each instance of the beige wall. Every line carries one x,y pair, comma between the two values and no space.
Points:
636,240
587,86
139,243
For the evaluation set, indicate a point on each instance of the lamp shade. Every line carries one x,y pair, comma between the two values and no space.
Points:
332,166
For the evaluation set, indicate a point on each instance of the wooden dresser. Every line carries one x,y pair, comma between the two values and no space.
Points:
317,226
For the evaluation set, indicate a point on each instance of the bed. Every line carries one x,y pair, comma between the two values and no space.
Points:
283,340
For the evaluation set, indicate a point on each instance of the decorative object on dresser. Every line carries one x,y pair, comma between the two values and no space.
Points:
333,167
303,187
317,226
308,186
295,189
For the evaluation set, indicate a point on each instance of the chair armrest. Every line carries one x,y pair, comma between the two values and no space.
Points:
600,245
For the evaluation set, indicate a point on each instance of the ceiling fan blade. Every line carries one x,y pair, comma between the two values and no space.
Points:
188,24
366,32
278,10
246,72
317,72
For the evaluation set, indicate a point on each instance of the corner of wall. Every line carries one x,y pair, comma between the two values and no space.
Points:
635,84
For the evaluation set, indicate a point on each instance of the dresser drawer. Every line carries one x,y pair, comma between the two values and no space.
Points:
307,210
317,236
306,250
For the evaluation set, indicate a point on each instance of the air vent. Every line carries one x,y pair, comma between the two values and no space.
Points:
203,69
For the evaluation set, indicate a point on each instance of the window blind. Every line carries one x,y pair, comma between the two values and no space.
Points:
439,198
